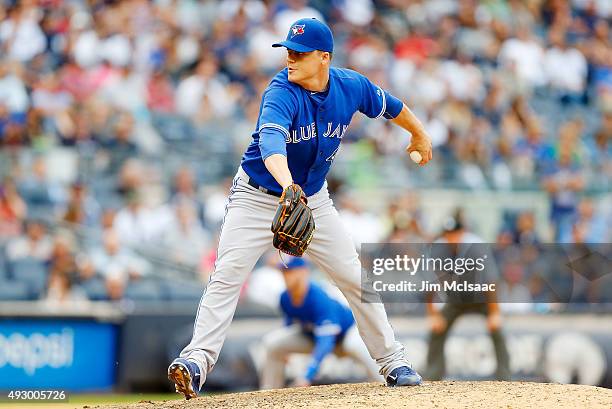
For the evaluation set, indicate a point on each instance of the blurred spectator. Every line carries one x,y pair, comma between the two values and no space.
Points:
404,214
202,95
82,208
268,58
126,91
520,229
185,190
513,293
589,226
35,243
418,46
255,10
139,225
207,263
563,183
216,199
294,10
13,94
600,156
363,227
107,219
20,34
63,271
49,96
120,147
369,54
61,259
13,211
80,83
539,291
525,232
566,68
602,76
61,292
494,104
115,264
38,189
437,129
265,284
131,177
524,57
429,86
73,128
531,154
463,79
160,93
186,241
357,12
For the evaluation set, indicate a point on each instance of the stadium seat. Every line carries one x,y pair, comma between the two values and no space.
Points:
31,272
14,291
95,289
3,267
143,290
173,128
104,188
182,290
39,211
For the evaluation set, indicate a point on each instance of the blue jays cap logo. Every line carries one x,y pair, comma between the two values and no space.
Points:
306,35
297,30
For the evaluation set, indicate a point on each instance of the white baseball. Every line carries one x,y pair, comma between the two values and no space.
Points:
416,157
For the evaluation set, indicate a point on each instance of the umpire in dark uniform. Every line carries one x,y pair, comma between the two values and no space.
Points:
455,242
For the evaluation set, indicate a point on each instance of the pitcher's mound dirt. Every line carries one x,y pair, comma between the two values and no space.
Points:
468,395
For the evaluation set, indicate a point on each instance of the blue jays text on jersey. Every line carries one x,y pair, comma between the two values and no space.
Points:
308,127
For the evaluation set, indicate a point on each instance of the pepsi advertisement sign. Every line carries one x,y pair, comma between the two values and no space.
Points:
70,355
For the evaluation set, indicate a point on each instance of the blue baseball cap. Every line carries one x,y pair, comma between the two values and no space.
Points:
293,262
308,34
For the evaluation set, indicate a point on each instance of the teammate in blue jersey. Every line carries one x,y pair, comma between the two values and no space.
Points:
304,114
315,323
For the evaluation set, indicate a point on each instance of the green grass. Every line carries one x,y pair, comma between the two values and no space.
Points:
77,400
121,398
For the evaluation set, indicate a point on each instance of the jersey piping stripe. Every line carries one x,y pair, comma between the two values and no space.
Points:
384,104
275,126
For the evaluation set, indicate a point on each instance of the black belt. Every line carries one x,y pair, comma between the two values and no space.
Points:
251,182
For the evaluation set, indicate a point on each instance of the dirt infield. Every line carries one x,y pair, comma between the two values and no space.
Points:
439,395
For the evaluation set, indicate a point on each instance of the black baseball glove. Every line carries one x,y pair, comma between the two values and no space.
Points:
293,224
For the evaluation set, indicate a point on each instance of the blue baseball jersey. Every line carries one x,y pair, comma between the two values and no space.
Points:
324,319
308,127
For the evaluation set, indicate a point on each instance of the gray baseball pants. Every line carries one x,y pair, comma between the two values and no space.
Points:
245,236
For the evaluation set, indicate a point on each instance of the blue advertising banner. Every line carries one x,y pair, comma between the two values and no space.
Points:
61,354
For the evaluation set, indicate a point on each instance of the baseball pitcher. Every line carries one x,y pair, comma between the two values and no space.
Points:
279,197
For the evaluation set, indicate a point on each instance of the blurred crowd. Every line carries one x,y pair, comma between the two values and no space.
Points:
121,121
